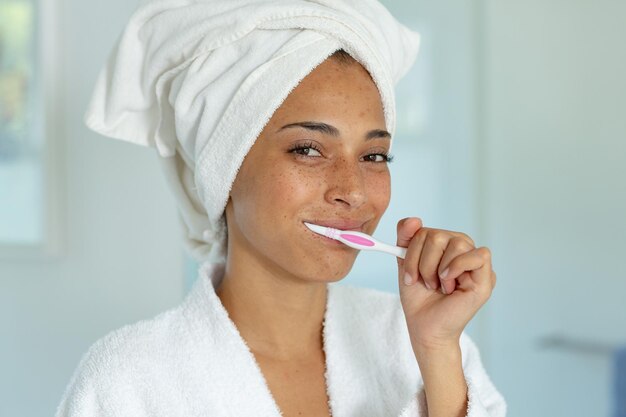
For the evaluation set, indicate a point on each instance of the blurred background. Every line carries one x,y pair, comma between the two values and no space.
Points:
511,128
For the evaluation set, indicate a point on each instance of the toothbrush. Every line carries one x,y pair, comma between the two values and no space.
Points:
357,240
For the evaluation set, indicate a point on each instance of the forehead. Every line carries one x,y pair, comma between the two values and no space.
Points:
333,92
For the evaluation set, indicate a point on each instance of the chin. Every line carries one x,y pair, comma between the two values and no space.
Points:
324,279
327,270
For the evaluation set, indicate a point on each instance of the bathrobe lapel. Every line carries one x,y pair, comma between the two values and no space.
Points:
235,379
356,380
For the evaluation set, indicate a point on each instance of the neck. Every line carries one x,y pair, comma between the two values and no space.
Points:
279,315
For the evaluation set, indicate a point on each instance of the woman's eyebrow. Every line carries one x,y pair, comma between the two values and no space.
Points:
333,131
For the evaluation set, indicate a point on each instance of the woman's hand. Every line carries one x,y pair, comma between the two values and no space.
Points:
438,306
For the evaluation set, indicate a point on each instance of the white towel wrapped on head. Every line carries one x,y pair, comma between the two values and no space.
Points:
199,79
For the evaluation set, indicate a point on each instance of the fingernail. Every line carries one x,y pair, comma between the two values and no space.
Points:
444,273
408,279
426,284
443,289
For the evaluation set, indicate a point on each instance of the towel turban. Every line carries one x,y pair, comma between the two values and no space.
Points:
199,79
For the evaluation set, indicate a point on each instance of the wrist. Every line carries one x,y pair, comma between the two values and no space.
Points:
432,352
442,372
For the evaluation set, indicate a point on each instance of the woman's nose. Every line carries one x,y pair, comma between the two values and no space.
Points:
345,183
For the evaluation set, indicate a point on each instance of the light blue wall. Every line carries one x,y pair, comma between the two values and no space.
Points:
555,140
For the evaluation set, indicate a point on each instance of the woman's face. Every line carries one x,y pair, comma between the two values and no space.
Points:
340,177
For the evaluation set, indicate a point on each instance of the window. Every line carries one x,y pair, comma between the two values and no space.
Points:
29,220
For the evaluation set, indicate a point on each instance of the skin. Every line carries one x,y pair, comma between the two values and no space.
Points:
277,271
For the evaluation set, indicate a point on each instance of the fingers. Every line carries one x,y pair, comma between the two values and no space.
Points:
430,249
406,229
434,247
480,278
412,259
456,246
430,252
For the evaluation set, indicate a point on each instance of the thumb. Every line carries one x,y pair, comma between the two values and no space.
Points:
406,229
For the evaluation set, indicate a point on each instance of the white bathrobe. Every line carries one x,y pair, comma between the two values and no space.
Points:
192,361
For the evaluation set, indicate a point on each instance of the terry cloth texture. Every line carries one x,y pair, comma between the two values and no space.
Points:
192,361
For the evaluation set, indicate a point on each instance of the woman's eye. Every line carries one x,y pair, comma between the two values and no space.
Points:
310,150
306,151
382,157
369,157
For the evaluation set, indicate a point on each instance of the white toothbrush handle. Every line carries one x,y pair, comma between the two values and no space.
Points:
391,249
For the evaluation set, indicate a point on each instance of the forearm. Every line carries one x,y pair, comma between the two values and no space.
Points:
444,381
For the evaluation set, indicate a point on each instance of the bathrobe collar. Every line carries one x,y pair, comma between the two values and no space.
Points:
236,378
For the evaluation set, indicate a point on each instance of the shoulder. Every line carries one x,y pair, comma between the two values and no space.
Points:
133,343
114,365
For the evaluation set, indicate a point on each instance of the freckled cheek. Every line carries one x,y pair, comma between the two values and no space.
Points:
379,190
298,185
284,191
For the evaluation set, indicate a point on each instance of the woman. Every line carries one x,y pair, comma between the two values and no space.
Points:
263,333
